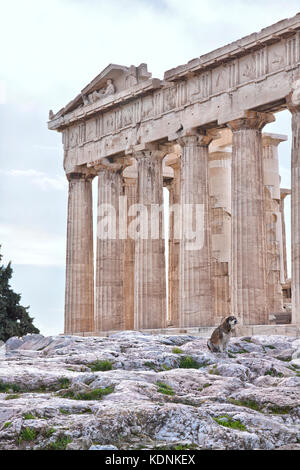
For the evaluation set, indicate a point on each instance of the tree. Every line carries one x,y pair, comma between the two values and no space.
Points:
14,318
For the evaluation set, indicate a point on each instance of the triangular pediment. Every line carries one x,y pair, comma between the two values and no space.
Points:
113,79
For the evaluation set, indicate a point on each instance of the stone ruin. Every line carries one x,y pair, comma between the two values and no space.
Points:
197,132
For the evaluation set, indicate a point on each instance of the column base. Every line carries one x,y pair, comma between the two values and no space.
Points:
206,331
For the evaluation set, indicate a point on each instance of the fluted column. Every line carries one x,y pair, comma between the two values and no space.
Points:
294,106
79,294
273,221
110,308
130,191
195,290
220,216
284,272
174,245
248,245
150,291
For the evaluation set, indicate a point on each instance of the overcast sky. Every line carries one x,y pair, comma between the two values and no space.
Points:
49,51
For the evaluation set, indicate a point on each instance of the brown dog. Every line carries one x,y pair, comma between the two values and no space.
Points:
221,335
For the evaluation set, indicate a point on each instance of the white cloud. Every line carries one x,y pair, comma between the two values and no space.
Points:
23,245
61,45
39,179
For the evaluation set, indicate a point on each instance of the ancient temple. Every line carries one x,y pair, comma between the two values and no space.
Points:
200,133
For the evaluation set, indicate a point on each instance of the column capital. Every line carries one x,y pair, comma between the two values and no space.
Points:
293,99
80,175
251,120
273,139
194,137
116,165
173,161
154,154
284,192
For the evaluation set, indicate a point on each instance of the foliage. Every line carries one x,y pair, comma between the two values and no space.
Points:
12,397
247,403
100,366
164,388
177,351
28,416
273,373
14,318
6,387
187,362
228,422
49,432
27,434
60,443
64,382
95,394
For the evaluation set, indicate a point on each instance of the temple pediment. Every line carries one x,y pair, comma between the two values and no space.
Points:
113,79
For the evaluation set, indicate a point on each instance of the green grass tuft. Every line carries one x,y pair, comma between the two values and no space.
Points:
165,367
60,443
280,410
95,394
164,388
151,365
6,387
187,362
228,422
273,373
204,386
7,424
64,382
27,434
12,397
49,432
102,366
214,370
247,403
28,416
177,351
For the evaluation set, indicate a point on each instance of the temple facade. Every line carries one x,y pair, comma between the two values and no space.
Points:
199,132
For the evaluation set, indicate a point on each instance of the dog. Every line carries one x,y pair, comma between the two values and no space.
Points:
221,335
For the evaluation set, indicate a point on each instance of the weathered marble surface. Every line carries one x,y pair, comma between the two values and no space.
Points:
262,371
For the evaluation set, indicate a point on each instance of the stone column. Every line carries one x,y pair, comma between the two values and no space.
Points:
248,245
130,191
273,221
150,290
110,308
195,290
294,105
220,216
174,245
284,273
79,295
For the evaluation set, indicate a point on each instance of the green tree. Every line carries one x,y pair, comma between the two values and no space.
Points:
14,318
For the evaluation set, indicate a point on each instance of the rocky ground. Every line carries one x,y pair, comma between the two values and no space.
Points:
136,391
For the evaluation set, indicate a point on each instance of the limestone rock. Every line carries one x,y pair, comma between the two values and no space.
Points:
130,390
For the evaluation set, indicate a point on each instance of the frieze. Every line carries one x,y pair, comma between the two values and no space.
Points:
254,68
